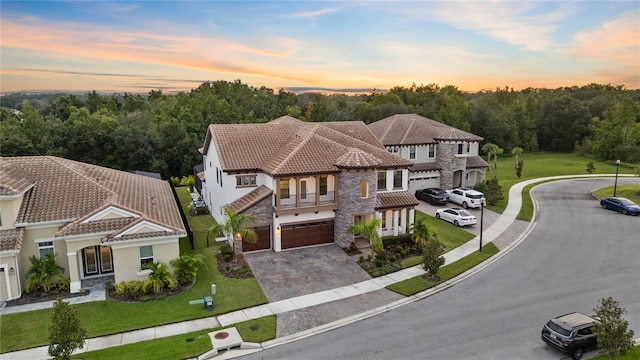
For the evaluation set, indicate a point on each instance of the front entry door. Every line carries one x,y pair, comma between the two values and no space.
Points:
97,260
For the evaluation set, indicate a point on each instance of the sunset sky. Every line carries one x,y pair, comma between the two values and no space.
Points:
174,46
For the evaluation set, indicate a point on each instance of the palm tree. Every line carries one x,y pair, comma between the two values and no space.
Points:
237,226
516,151
490,149
43,273
369,230
160,277
421,233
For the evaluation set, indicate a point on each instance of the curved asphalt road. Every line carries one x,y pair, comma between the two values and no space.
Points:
577,254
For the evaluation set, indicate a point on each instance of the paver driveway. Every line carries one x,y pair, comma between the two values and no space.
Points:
304,271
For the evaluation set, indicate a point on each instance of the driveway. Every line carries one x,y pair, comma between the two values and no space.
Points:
304,271
490,217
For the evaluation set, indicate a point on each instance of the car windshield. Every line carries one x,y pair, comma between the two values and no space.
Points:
626,202
557,328
464,213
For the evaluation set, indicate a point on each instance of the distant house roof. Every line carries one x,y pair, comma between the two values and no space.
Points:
412,129
395,200
70,191
476,162
154,175
288,146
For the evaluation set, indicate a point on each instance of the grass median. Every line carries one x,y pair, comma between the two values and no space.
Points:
417,284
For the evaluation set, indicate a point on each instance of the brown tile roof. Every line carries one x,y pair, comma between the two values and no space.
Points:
476,162
412,129
357,159
288,146
13,181
67,190
432,166
250,199
97,226
11,239
395,200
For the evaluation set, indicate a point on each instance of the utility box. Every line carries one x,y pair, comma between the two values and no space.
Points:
208,302
213,289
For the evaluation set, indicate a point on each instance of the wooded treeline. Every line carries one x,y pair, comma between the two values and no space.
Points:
162,132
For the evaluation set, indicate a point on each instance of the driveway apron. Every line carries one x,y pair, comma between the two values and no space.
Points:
304,271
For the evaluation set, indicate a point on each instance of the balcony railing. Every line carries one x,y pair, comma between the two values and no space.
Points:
307,200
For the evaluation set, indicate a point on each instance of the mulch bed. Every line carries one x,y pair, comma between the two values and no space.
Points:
237,270
32,298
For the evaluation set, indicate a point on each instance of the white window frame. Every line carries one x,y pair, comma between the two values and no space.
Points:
412,152
44,246
146,258
246,181
431,151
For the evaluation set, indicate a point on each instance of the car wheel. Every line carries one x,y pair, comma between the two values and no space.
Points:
437,215
456,223
577,354
464,205
624,212
604,206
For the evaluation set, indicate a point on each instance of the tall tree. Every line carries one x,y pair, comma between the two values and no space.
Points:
490,149
613,332
617,134
66,333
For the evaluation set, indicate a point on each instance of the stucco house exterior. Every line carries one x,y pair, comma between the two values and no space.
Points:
304,183
98,221
444,156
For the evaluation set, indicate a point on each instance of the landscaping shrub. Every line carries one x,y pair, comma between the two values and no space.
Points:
392,259
186,267
44,275
131,290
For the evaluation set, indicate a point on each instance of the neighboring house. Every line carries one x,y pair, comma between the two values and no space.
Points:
99,222
305,183
444,156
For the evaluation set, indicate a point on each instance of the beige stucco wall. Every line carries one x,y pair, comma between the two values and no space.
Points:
13,290
127,259
30,248
9,208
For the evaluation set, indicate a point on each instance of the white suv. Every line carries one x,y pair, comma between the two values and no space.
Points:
467,198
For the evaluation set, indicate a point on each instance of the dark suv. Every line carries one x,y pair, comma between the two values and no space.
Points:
433,196
571,333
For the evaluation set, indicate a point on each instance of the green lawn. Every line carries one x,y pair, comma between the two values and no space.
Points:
537,165
417,284
30,329
184,346
632,354
631,192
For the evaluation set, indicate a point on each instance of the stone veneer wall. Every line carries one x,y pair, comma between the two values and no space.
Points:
350,201
262,211
449,163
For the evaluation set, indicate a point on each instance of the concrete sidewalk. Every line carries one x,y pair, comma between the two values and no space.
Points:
492,233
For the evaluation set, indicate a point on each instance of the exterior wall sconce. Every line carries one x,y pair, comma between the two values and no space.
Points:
12,271
278,231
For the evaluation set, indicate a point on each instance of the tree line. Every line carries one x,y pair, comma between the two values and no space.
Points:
162,132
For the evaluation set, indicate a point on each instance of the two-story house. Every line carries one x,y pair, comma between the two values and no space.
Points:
304,183
444,156
99,222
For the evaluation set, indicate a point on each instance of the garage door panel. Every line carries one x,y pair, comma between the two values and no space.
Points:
264,240
299,235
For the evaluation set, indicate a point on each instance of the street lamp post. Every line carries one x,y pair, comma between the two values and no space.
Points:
481,221
615,184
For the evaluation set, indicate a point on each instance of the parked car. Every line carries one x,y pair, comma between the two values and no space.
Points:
457,217
571,333
467,198
620,204
433,196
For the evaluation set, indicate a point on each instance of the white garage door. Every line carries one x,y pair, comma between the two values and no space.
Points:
422,182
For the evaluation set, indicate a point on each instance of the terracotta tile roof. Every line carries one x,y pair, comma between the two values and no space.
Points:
432,166
11,239
476,162
412,129
67,190
13,181
395,200
97,226
250,199
288,146
357,159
